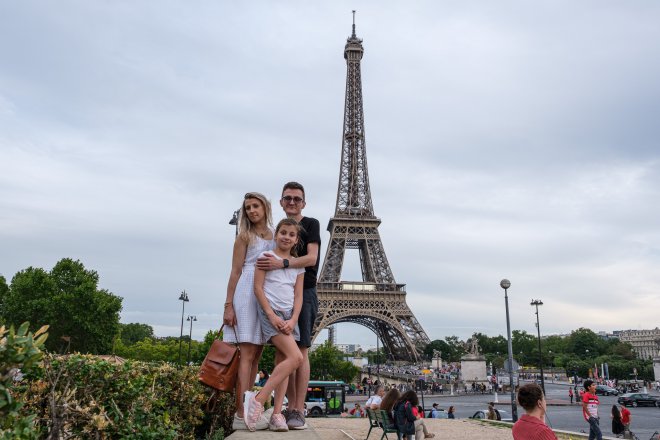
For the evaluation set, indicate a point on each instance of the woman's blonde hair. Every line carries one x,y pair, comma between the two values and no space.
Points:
246,229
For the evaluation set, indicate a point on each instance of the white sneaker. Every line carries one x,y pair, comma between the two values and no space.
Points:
239,424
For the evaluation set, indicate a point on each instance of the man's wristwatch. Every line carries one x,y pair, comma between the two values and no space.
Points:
286,263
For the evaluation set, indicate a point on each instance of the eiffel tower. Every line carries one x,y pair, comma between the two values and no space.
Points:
377,302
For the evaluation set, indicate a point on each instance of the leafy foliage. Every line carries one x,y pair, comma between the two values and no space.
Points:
135,332
20,350
326,363
85,397
577,352
68,299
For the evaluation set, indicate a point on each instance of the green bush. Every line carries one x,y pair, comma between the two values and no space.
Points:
81,396
20,350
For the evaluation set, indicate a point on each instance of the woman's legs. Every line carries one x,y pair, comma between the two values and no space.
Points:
420,430
247,371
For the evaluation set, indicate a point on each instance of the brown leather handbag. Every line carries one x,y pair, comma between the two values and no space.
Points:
220,366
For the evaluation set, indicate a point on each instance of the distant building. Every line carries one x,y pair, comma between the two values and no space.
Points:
347,348
646,343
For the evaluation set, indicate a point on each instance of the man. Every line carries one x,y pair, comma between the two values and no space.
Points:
590,409
435,413
309,249
625,419
374,401
531,426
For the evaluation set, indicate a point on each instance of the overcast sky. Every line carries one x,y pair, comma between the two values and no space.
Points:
508,139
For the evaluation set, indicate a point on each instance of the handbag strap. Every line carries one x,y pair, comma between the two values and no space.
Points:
235,333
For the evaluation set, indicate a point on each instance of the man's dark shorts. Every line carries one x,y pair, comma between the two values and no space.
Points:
308,312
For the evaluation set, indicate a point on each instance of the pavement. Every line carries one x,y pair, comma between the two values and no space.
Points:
327,428
323,428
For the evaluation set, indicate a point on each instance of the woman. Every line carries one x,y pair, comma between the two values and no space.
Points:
450,412
263,377
408,419
255,235
617,423
532,424
387,404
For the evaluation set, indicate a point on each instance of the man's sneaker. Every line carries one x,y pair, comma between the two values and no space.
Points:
253,410
296,420
239,424
277,423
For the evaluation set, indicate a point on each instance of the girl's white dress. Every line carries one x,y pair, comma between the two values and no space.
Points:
245,303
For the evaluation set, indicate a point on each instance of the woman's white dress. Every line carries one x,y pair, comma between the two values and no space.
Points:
245,303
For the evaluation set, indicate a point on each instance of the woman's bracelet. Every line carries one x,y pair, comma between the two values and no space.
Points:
228,304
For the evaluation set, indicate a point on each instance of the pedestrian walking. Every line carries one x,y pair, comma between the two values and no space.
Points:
570,394
590,410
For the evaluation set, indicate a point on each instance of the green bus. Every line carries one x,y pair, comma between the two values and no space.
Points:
325,397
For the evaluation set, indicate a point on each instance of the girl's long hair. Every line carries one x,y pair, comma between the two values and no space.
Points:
410,396
246,229
390,399
616,413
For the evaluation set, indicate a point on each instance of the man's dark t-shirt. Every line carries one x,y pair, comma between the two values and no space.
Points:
310,233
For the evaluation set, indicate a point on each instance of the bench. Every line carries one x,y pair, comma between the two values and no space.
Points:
378,418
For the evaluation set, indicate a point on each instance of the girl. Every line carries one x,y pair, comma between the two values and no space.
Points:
617,424
255,235
407,418
450,412
279,293
387,404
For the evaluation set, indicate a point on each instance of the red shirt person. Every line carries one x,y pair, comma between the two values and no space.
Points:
531,426
590,409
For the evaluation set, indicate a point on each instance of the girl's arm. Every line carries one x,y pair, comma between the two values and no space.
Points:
237,260
259,279
297,305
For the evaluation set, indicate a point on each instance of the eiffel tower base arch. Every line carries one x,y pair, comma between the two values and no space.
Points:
384,313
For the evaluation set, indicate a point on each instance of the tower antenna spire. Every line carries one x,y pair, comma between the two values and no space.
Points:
354,36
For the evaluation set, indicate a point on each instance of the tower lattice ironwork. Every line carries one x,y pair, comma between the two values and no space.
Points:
377,302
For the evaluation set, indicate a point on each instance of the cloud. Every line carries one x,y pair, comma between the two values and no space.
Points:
503,141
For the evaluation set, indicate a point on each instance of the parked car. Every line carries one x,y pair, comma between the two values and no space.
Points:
483,414
638,399
606,391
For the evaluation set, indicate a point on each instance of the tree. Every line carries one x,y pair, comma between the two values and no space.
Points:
134,332
4,290
326,363
455,349
585,343
68,299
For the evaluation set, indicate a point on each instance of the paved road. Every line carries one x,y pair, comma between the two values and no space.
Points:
645,421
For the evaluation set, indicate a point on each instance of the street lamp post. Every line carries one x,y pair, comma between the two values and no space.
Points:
234,220
191,319
536,303
378,358
184,299
505,284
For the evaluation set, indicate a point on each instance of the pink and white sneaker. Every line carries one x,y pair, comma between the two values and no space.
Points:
253,410
277,423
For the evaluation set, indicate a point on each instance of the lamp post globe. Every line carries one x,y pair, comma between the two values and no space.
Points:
505,284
